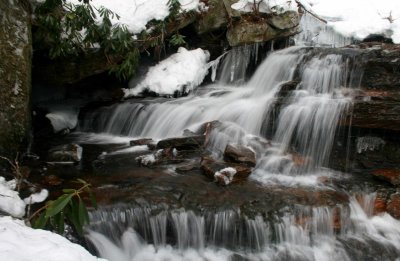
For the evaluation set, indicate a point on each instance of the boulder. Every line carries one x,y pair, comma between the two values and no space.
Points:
215,18
65,153
15,76
284,21
246,32
224,173
149,142
390,175
240,154
393,206
183,143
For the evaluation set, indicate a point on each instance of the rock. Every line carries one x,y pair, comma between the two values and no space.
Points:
15,76
240,154
393,206
141,142
247,32
52,180
377,38
161,156
390,175
284,21
65,153
216,17
380,204
224,173
183,143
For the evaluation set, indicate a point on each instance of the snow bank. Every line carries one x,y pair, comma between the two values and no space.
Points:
135,14
19,242
11,203
359,18
185,69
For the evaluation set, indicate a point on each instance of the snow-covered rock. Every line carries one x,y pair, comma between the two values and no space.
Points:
265,6
10,201
360,18
184,70
19,242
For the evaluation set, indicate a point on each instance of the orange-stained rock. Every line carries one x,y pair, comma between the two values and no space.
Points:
393,206
390,175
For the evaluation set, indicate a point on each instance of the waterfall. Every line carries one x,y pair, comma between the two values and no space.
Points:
288,113
306,122
302,233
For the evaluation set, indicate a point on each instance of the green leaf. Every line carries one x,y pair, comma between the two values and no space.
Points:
92,199
60,222
58,205
74,217
83,213
40,222
69,191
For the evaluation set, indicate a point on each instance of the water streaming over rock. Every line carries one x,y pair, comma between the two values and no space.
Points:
288,113
299,233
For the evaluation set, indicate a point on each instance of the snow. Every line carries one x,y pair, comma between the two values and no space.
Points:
21,243
359,18
37,197
265,6
226,175
354,18
11,203
135,14
63,119
184,70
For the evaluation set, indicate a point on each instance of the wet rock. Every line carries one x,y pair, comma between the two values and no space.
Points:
183,143
377,38
223,172
52,180
149,142
390,175
240,154
168,155
380,204
65,153
393,206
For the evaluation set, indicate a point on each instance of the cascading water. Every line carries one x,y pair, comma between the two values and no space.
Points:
292,136
303,233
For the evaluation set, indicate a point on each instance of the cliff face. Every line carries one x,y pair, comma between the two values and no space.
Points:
15,75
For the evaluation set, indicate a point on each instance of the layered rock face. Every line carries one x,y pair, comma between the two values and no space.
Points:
15,75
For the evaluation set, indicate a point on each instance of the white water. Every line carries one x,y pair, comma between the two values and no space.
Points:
292,138
304,129
305,233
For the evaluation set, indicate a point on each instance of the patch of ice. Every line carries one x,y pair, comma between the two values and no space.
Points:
182,71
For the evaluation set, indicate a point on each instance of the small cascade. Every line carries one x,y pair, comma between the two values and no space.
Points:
299,233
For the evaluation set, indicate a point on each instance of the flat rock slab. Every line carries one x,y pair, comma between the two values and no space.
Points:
182,143
240,154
